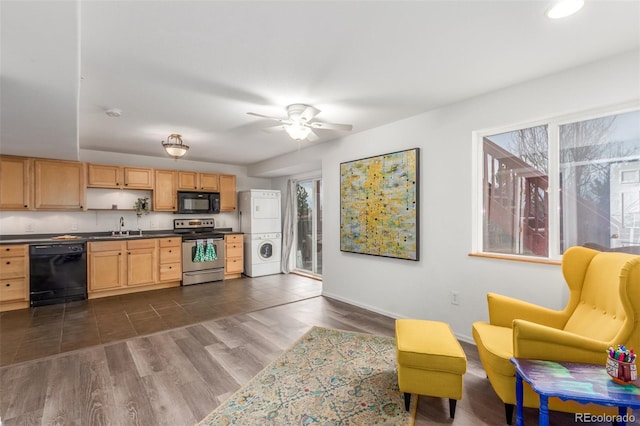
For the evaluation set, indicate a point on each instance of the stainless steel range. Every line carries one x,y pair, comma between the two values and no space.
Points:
202,250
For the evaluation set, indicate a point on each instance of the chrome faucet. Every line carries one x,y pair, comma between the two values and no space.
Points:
121,225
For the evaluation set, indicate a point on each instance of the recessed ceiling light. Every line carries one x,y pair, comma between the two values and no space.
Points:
564,8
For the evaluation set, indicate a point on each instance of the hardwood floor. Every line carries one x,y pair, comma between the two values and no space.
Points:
177,376
47,330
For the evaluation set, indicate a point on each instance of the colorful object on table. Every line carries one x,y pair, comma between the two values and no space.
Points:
210,252
199,254
621,364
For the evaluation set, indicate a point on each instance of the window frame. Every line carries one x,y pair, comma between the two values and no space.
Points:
553,124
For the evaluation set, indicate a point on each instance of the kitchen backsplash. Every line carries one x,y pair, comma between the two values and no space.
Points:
18,223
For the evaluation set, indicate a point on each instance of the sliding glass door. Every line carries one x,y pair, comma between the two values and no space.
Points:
308,238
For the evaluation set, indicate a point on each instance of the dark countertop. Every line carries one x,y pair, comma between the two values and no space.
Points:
95,236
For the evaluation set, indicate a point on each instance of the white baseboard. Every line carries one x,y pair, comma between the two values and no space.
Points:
463,337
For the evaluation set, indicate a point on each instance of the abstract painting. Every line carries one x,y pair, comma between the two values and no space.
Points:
379,205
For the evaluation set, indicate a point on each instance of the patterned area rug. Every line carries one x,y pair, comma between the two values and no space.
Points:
328,377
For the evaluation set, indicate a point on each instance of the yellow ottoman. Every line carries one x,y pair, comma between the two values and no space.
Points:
430,361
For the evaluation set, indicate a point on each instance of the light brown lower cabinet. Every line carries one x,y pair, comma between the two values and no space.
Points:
234,256
14,277
120,267
170,259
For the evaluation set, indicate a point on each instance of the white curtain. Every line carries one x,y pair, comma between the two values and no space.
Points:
287,228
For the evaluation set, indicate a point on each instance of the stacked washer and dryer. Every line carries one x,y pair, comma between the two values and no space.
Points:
260,221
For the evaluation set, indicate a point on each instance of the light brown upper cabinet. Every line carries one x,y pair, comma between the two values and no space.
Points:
228,193
165,196
138,178
16,190
195,181
104,176
59,185
109,176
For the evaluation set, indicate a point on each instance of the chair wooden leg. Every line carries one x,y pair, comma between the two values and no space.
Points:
508,411
452,407
407,400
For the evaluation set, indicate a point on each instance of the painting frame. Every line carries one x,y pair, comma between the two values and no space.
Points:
379,205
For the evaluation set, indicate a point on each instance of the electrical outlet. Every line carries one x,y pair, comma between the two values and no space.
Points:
455,297
74,226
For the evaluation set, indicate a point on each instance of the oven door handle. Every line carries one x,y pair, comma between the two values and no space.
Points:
205,239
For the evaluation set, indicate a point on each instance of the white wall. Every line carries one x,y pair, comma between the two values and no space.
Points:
13,223
421,289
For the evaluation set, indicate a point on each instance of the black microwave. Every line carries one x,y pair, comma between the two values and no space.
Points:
198,202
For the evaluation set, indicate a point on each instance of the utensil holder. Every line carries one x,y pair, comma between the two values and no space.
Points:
620,371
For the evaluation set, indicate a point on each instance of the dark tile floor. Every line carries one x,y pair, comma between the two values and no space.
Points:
38,332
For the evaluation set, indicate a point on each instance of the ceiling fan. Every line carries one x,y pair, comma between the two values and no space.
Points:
300,124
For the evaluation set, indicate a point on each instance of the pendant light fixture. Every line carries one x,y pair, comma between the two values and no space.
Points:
174,146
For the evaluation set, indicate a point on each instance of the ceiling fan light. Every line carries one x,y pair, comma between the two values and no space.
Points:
174,146
297,131
564,8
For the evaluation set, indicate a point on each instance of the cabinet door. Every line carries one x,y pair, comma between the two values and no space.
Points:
165,194
59,185
15,183
104,176
209,182
138,178
227,193
106,270
142,262
187,181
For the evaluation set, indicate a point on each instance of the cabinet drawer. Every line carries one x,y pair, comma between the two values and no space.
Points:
170,254
105,246
141,244
13,290
234,265
171,271
11,251
13,267
171,242
236,238
233,250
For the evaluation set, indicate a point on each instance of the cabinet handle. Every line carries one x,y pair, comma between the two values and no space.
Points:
8,263
170,251
25,206
170,267
7,249
8,285
119,254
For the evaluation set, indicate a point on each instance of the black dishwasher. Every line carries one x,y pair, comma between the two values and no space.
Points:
58,273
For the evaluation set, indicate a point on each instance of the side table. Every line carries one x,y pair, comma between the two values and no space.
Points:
583,383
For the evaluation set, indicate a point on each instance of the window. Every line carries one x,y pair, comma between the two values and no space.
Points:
586,171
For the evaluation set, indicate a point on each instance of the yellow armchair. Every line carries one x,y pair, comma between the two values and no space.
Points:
603,310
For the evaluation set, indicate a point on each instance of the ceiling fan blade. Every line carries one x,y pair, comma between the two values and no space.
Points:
282,120
312,137
275,129
308,113
330,126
